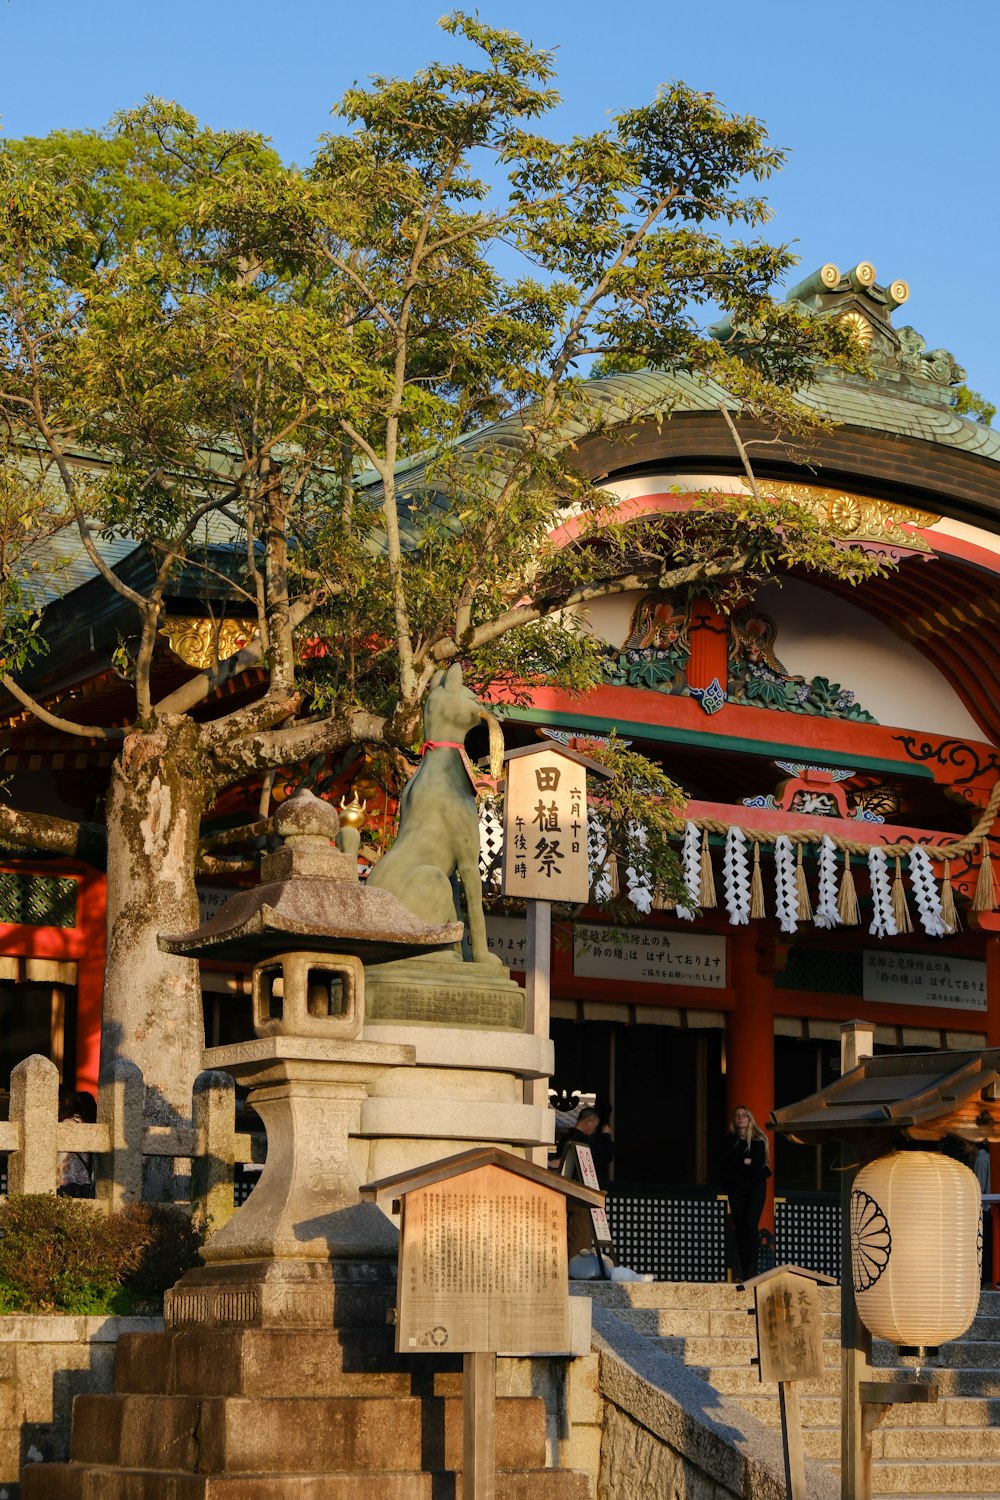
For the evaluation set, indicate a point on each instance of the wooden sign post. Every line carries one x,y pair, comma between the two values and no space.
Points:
545,859
482,1271
789,1349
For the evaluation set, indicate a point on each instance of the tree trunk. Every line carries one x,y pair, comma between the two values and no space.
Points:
152,1000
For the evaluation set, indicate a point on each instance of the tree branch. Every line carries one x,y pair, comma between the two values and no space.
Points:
67,726
282,747
38,831
741,450
530,614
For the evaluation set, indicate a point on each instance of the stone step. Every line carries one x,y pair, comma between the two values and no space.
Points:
928,1451
976,1477
268,1362
736,1380
724,1296
722,1350
718,1294
240,1434
959,1354
705,1322
957,1382
85,1482
956,1412
936,1442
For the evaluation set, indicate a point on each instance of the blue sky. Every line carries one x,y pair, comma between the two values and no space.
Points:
888,111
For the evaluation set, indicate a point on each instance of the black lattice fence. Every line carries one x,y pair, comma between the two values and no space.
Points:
807,1231
674,1233
679,1234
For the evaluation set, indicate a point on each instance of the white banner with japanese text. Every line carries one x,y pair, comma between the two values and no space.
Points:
925,979
649,956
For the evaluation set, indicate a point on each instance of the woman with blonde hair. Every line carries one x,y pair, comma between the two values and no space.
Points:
747,1168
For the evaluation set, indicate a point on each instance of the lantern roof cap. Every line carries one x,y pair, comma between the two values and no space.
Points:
921,1095
448,1167
310,897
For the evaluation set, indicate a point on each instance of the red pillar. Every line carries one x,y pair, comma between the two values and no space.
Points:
709,637
750,1034
90,980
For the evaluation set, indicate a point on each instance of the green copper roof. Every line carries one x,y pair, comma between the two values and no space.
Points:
844,399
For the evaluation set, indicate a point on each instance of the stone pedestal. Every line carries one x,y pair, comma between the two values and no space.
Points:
466,1026
302,1238
440,989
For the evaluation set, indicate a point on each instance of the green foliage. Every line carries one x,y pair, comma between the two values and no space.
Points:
969,403
641,811
63,1255
286,374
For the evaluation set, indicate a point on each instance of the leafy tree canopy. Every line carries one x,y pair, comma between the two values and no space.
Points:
348,396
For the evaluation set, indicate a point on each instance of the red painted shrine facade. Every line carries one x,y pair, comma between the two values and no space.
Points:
813,725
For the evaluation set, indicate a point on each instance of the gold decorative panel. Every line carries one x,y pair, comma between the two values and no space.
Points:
856,517
200,642
859,326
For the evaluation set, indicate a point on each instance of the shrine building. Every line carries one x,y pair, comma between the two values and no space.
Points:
812,729
840,748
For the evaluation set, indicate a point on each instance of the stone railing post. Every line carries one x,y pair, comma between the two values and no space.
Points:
120,1097
212,1169
34,1109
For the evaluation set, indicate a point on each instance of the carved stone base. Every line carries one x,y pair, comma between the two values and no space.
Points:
309,1095
283,1294
442,990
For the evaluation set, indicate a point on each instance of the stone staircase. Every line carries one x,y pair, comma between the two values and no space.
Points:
920,1452
259,1414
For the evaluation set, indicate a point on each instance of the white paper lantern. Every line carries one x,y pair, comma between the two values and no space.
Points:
916,1247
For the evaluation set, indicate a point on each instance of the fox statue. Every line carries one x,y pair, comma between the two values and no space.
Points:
438,819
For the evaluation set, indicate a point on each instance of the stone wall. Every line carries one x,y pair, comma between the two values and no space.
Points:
44,1363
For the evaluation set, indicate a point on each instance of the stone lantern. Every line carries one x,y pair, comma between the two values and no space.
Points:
303,1236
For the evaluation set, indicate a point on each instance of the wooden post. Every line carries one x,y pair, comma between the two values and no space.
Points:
791,1438
479,1460
856,1043
789,1349
538,978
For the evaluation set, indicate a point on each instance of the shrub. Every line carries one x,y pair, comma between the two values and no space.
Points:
63,1255
169,1248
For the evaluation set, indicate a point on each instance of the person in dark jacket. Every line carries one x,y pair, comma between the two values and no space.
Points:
589,1131
746,1170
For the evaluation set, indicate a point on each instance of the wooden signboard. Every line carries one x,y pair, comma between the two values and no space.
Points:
483,1266
545,827
579,1162
789,1349
789,1328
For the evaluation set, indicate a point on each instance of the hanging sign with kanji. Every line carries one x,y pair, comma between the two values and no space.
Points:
545,827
